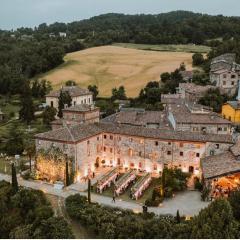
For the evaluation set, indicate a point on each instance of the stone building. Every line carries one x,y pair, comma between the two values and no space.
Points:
78,95
197,118
192,92
131,147
225,73
231,109
78,114
139,117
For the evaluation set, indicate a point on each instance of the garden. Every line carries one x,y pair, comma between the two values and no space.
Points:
142,189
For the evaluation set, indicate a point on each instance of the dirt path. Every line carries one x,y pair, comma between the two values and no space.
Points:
58,204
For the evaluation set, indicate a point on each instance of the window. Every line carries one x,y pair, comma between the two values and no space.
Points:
97,138
217,146
212,152
169,143
233,76
156,143
225,129
111,137
104,149
105,136
111,150
118,161
224,75
224,82
198,155
229,118
169,152
140,154
85,101
232,83
51,103
181,154
74,103
181,144
130,152
219,129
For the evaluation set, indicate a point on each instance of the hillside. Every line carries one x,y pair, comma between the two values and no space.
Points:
111,66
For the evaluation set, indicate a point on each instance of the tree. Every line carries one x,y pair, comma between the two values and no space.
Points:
215,221
70,83
118,93
67,175
165,77
49,115
234,200
182,67
26,112
198,59
94,90
15,144
14,179
31,151
178,218
89,190
64,99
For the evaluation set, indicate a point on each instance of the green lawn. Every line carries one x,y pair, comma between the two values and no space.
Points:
189,48
126,195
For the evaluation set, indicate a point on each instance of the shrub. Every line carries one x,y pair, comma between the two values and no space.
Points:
197,184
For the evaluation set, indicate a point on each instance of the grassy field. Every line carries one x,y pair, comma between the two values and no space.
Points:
126,195
188,48
113,66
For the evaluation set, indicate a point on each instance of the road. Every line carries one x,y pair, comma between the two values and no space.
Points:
188,203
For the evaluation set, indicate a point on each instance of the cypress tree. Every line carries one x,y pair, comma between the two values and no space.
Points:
67,175
178,218
89,190
26,113
14,179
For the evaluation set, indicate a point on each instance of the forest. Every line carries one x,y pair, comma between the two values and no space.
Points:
26,52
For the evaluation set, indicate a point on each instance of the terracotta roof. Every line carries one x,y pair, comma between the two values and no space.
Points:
74,91
80,132
81,108
142,118
182,114
220,165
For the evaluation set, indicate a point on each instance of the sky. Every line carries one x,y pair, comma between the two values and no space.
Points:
30,13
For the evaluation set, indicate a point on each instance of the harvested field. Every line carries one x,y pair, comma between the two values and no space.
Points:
112,66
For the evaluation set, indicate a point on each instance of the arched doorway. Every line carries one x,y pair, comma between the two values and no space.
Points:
191,169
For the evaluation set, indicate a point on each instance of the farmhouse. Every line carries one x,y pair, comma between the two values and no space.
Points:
78,114
130,147
225,73
78,95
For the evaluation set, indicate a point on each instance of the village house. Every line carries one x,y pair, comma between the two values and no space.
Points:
99,145
78,95
78,114
197,118
192,92
225,73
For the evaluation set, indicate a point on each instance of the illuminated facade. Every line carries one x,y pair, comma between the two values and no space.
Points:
147,150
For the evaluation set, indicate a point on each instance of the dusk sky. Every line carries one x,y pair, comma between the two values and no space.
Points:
30,13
